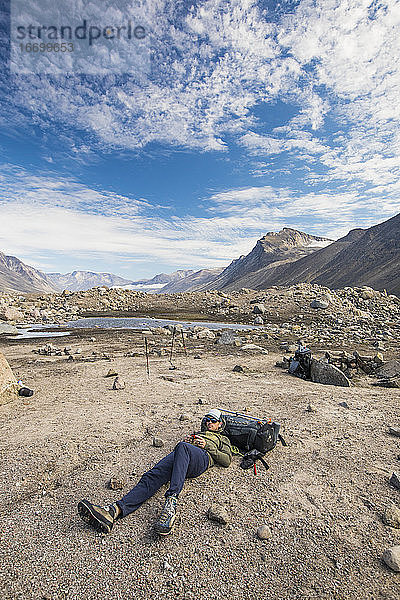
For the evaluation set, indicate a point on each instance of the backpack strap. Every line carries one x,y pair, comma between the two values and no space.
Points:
250,458
282,441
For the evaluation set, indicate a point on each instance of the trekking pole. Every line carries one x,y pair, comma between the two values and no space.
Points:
237,414
172,345
183,342
147,359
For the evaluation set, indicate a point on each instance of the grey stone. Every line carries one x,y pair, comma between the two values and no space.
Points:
311,408
264,532
259,309
394,431
239,369
11,314
227,337
344,404
158,442
8,329
184,417
390,369
118,384
394,382
323,372
391,557
367,293
258,321
254,348
218,513
395,480
319,303
391,516
206,333
281,364
112,373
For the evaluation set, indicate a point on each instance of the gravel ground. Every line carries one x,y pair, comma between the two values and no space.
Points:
323,496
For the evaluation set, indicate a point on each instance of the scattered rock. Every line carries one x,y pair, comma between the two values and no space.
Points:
264,532
259,309
10,313
184,417
393,382
118,384
48,350
112,373
391,516
390,369
311,408
319,303
254,348
344,404
226,337
395,480
158,442
258,321
8,329
116,483
218,513
239,369
394,431
391,557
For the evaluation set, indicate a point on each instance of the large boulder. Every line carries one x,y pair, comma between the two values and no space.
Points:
8,384
9,313
323,372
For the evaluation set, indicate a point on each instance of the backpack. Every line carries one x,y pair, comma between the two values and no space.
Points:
249,434
300,365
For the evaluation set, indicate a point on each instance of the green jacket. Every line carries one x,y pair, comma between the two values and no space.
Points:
218,448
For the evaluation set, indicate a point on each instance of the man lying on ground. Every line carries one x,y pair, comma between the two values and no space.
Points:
189,459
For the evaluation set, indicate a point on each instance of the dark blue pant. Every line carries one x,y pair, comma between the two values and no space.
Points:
186,461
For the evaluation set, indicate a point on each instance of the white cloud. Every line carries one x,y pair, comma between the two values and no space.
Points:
45,216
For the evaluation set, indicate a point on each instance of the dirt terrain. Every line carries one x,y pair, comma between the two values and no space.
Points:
322,498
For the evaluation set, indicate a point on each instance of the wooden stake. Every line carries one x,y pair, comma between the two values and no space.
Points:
183,342
172,345
147,358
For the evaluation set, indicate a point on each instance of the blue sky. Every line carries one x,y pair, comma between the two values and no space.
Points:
230,119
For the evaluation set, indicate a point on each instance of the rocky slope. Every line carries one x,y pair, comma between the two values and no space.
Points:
273,249
373,259
305,269
363,257
16,276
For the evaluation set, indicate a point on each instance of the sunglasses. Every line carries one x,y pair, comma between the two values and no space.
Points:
211,420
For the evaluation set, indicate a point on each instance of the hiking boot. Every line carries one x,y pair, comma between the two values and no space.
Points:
167,518
101,518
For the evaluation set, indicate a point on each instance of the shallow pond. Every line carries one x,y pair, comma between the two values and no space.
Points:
139,323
